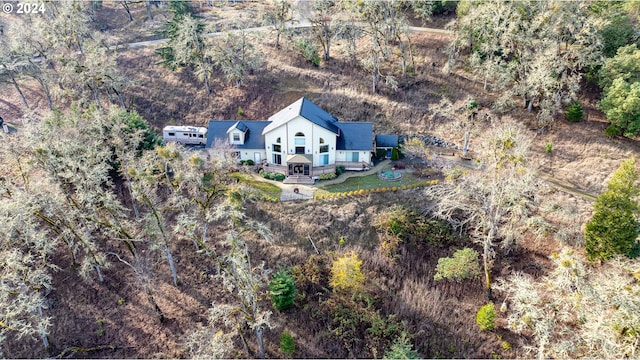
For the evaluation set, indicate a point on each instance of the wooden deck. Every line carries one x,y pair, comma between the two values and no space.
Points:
319,170
353,165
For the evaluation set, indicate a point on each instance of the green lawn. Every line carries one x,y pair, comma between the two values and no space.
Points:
368,182
266,188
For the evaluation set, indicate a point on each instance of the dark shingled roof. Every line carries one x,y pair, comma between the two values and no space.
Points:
253,138
386,141
241,126
355,136
307,109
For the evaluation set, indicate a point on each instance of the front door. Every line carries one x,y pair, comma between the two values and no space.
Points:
299,169
256,157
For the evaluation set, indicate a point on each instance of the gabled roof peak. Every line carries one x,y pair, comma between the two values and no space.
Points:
238,125
308,110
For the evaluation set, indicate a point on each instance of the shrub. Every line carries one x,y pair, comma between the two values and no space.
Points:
346,273
401,349
242,162
249,162
613,229
548,147
327,176
486,317
399,165
340,170
240,111
506,346
381,153
354,323
287,344
613,130
395,154
463,265
574,112
309,51
283,290
272,176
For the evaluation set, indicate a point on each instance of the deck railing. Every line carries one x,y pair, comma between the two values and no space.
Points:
354,165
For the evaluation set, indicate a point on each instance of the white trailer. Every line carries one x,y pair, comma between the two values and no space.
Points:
190,135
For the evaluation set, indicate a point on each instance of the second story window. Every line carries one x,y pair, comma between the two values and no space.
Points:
299,139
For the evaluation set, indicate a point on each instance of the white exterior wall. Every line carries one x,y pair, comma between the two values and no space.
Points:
245,154
364,156
249,154
236,131
312,134
270,139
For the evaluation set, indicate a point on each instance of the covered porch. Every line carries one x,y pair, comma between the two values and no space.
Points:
299,169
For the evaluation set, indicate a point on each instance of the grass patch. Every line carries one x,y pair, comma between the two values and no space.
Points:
368,182
268,189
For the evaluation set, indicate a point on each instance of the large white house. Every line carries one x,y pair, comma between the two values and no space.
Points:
300,141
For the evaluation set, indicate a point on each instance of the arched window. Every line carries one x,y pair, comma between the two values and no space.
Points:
278,141
323,148
299,143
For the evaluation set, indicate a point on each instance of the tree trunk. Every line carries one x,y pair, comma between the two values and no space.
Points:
530,107
206,82
147,4
487,263
126,8
96,98
259,331
100,277
45,88
172,266
327,39
153,302
244,343
465,148
120,98
43,334
15,84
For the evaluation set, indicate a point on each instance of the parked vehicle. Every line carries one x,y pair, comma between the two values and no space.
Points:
189,135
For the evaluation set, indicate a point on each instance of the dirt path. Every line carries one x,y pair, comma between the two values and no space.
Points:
566,187
558,184
301,23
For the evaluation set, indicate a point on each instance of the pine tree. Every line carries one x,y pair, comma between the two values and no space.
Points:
614,227
283,290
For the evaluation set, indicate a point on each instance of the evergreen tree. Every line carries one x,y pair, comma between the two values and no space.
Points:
401,349
614,227
283,290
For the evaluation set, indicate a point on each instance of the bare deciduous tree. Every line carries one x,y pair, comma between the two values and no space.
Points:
490,204
278,15
235,54
576,310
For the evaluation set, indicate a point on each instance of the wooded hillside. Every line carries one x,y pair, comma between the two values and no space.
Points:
515,240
